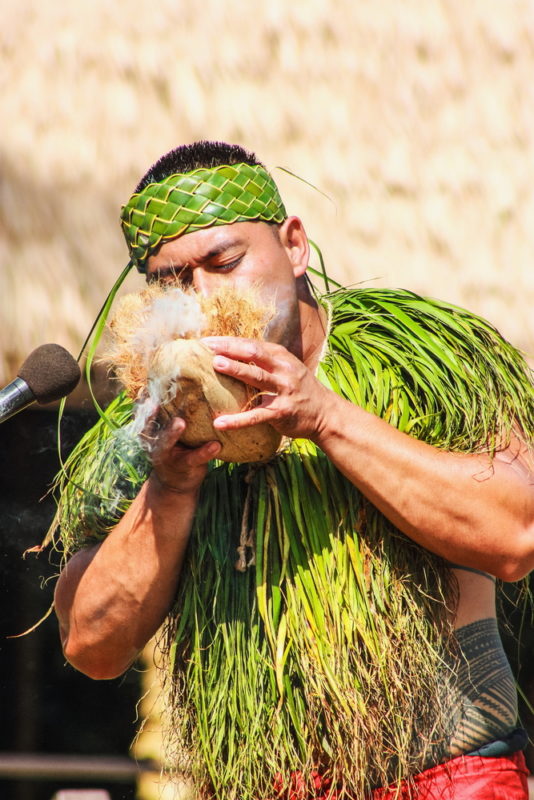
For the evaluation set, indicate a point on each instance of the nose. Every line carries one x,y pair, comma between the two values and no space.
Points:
206,282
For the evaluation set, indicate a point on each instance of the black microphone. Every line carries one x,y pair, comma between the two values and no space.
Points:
49,373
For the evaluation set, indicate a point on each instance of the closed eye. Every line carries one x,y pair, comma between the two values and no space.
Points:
229,265
184,275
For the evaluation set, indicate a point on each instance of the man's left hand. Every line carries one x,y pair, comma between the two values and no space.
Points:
291,399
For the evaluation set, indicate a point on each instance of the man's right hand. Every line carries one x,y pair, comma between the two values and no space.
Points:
176,467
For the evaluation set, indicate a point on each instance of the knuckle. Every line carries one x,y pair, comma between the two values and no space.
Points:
285,383
253,349
256,373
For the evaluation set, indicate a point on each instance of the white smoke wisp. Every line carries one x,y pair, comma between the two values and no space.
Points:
143,323
143,412
173,315
159,391
162,388
144,428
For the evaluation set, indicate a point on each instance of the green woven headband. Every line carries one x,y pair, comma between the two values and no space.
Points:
185,202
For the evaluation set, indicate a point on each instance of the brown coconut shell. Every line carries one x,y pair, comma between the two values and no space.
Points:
184,370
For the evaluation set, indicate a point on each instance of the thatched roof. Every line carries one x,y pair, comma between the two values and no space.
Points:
417,119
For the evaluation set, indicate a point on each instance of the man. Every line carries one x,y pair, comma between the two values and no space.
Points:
398,698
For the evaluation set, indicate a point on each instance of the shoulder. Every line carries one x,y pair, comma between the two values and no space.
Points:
402,306
427,366
445,333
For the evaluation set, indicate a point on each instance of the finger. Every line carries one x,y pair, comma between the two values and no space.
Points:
251,374
193,457
182,458
244,419
163,440
264,353
146,419
167,436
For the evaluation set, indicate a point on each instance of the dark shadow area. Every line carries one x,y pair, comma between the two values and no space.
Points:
47,707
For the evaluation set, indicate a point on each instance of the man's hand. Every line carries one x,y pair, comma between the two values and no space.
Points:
176,467
435,497
291,399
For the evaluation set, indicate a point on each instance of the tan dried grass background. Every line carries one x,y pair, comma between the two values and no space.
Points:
416,118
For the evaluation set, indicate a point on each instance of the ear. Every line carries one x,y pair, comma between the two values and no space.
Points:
295,242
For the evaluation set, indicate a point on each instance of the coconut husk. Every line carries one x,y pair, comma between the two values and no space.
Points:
138,327
153,349
199,394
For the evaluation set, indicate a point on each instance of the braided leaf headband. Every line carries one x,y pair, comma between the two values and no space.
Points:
186,202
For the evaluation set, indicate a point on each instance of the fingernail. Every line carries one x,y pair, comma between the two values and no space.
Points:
220,361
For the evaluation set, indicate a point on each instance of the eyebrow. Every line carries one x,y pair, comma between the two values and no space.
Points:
215,251
219,249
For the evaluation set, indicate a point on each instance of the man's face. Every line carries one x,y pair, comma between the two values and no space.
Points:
241,255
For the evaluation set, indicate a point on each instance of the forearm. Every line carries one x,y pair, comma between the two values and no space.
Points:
112,598
471,509
467,508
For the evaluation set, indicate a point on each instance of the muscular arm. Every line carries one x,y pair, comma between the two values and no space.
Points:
468,508
111,598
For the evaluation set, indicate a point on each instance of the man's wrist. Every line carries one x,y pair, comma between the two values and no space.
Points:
163,487
330,424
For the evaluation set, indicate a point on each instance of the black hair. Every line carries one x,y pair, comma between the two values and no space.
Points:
188,157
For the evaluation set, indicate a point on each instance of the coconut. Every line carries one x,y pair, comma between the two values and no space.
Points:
154,350
181,376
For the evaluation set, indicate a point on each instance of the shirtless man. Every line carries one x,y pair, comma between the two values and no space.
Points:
475,511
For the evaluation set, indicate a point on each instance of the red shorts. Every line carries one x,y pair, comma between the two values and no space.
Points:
467,778
462,778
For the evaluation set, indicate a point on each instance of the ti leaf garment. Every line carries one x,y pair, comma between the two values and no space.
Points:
331,652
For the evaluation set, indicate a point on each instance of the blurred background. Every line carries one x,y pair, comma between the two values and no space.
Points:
415,121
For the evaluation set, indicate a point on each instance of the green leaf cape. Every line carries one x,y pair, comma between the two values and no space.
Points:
329,653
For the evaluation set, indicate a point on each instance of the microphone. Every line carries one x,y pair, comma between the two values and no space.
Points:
49,373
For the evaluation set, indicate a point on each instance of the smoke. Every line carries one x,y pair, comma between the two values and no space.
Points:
147,320
142,323
144,426
169,316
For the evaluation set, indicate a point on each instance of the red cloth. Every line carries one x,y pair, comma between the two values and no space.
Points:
462,778
467,778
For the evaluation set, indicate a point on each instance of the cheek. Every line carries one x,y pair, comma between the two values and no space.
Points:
282,328
205,283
